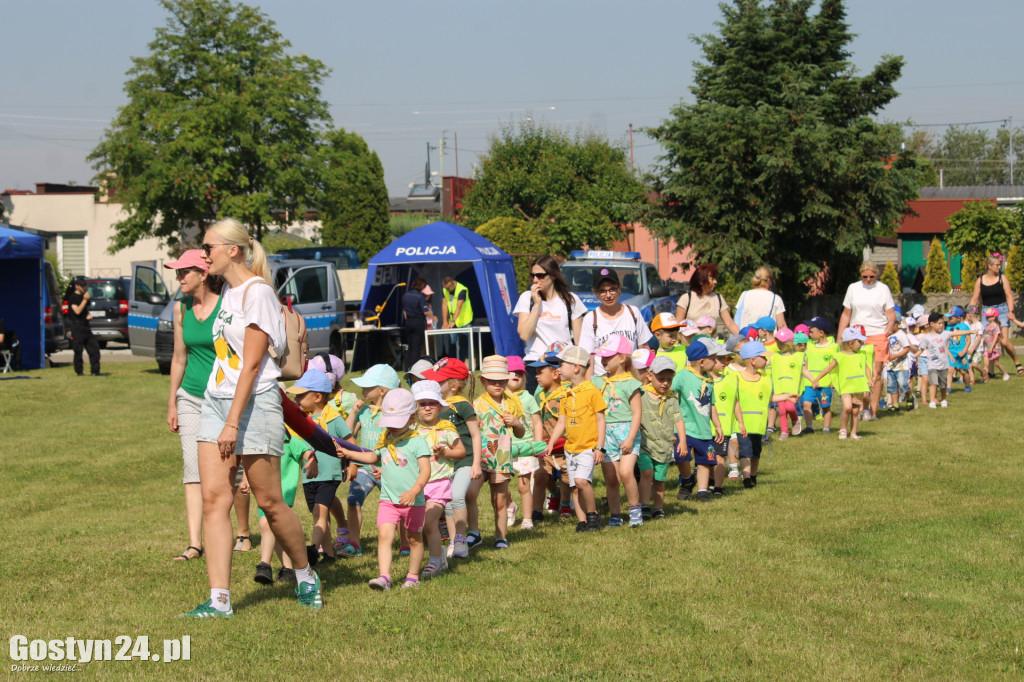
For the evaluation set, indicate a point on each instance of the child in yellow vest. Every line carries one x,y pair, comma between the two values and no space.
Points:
754,390
852,371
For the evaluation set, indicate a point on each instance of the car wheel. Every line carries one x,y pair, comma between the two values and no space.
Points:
165,367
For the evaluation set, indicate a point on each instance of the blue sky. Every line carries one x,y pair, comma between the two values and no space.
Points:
407,73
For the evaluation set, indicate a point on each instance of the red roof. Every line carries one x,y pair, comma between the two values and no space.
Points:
931,215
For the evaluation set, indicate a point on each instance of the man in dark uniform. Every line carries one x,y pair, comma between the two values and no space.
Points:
81,333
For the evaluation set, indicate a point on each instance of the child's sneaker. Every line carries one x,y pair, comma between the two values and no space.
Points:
501,543
703,496
527,524
797,428
645,513
264,574
349,550
510,511
443,527
472,540
286,575
635,517
658,514
783,436
933,405
944,403
686,487
537,517
614,521
553,504
1006,377
593,521
968,389
404,551
381,583
309,593
206,610
842,434
748,483
461,550
826,430
564,512
734,474
581,526
808,431
431,570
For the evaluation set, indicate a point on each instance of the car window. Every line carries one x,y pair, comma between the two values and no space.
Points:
110,290
147,283
581,278
653,279
308,285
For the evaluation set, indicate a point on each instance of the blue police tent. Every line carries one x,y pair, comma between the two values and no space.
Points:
21,281
439,249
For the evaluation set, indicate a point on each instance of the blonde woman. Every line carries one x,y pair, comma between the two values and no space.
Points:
242,420
760,301
992,290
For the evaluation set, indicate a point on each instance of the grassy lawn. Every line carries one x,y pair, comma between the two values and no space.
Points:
899,556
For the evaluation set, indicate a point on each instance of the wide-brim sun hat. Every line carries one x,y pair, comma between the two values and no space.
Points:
495,368
428,389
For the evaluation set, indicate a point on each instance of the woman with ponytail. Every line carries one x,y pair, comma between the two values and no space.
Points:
242,420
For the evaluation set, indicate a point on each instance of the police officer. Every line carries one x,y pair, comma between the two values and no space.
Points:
81,333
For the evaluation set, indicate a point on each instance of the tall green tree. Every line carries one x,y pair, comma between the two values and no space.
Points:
890,278
981,227
580,187
221,121
518,238
778,159
937,279
353,198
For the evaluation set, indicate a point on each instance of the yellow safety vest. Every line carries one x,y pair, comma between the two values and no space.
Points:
452,301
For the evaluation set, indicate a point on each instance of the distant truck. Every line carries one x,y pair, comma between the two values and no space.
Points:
641,285
312,285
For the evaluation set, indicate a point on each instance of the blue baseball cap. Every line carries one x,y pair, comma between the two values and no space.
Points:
696,351
312,380
379,375
752,349
819,323
766,323
750,331
550,359
956,311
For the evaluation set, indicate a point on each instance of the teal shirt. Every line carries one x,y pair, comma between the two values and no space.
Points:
400,471
329,466
696,397
198,338
617,394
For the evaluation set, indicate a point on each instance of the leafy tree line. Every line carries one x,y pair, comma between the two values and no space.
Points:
967,155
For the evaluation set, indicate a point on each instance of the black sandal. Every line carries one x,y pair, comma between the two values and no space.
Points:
185,557
239,539
1020,370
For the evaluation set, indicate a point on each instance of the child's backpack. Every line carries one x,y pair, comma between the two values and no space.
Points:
292,360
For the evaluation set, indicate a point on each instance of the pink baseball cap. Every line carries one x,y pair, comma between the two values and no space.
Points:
706,321
784,335
688,328
642,358
193,258
801,329
515,364
335,372
616,344
992,312
396,408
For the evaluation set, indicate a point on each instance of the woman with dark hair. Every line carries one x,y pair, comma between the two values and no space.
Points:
701,300
548,314
415,310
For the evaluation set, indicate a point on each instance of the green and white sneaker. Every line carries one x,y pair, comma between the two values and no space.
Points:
309,594
206,610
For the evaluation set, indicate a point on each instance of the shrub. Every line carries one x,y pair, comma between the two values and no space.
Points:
936,276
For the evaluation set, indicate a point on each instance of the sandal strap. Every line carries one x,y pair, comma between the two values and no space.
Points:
243,537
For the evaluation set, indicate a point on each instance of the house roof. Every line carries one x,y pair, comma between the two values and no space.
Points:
931,215
998,192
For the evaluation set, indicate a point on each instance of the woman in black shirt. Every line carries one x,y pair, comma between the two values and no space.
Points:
992,290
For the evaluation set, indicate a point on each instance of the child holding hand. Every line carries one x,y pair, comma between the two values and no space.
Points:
853,376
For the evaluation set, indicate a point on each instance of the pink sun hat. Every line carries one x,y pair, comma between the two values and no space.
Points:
615,345
193,258
706,321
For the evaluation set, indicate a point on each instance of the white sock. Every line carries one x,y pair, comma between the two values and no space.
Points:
220,599
304,575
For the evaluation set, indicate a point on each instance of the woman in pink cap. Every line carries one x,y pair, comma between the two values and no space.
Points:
190,370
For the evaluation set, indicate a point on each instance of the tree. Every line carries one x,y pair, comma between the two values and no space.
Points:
981,227
220,121
936,273
970,266
1015,268
778,160
518,238
353,198
579,187
890,279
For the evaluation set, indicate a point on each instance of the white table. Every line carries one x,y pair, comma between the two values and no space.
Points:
475,346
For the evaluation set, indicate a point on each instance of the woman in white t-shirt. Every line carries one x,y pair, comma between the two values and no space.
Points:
548,313
760,301
702,300
242,421
611,317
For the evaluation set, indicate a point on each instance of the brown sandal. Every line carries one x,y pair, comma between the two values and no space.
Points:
185,557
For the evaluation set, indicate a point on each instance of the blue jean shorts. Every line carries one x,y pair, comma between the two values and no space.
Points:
1004,311
898,381
614,434
260,428
362,486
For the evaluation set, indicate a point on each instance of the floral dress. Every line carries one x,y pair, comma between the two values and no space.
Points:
495,436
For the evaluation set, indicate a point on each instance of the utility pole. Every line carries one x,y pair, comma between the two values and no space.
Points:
1011,149
632,164
443,135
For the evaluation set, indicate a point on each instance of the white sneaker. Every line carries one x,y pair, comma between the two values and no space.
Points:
1006,377
932,405
734,474
797,428
944,403
511,513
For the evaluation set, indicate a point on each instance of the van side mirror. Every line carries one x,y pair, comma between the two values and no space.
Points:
659,290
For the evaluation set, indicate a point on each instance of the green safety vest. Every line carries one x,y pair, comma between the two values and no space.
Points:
452,300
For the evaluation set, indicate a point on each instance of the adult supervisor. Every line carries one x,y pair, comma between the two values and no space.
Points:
611,317
548,313
82,337
702,299
191,366
992,290
760,301
242,421
415,311
869,303
456,313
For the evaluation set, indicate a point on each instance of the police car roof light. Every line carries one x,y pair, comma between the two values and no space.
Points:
605,255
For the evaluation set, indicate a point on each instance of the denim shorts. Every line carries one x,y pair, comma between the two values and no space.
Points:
362,486
897,381
1004,311
260,428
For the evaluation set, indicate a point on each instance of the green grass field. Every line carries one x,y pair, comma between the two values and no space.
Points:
899,556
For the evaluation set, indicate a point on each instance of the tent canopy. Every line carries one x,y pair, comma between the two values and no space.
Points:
435,251
21,281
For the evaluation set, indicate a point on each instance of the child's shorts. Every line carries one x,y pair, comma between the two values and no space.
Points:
959,363
579,465
722,449
978,357
938,377
676,457
750,446
898,382
496,477
703,451
614,434
260,428
362,486
320,492
645,463
439,491
822,396
410,517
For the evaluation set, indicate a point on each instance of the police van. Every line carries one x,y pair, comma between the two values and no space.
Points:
641,285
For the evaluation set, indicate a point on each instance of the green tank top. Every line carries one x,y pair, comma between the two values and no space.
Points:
787,372
818,358
851,376
198,338
725,400
754,398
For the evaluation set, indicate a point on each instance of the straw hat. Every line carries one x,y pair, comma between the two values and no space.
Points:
494,367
